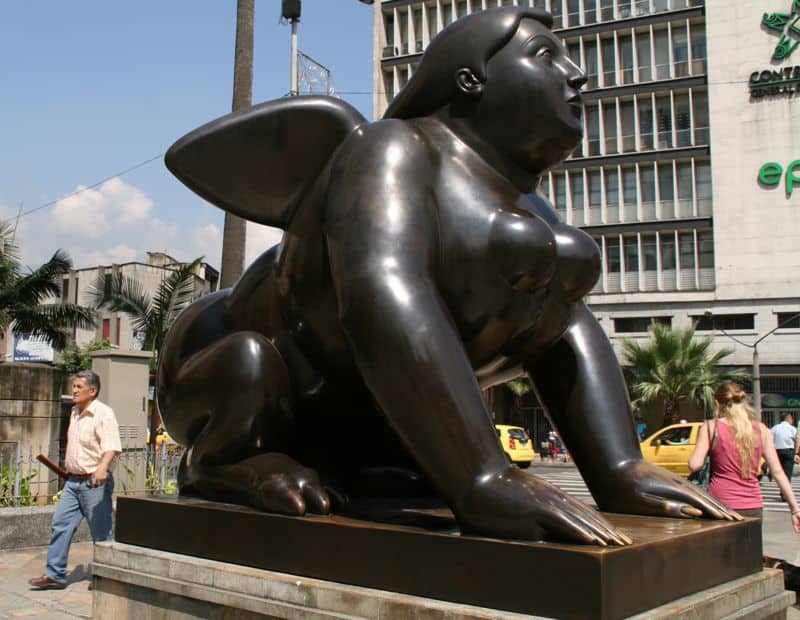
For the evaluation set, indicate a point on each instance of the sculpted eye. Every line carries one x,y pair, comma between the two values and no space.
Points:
545,53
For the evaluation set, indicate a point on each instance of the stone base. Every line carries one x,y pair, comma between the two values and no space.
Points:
135,582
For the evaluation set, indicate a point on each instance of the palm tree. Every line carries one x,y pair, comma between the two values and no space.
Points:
676,367
235,228
151,315
24,296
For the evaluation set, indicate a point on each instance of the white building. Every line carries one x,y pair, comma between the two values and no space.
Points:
667,179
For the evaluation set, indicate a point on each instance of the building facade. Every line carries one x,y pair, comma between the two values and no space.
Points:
116,326
687,167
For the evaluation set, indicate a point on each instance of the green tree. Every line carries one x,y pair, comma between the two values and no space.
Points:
24,294
676,367
75,358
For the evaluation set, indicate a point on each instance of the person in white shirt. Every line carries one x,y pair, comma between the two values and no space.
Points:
784,434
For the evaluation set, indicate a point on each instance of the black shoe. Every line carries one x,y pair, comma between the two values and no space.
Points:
46,583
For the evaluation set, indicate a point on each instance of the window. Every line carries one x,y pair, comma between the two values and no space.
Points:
788,320
595,196
612,187
106,334
698,49
630,246
590,53
629,193
724,321
700,109
609,63
593,128
685,187
576,190
650,252
661,45
643,55
626,57
107,285
557,13
702,174
680,50
612,255
589,11
645,124
648,183
666,190
559,192
686,248
664,121
667,250
628,126
610,126
65,290
674,437
573,12
639,324
705,249
683,120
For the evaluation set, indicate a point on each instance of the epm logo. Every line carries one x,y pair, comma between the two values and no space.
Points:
781,80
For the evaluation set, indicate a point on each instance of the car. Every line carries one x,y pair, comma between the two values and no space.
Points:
672,446
516,444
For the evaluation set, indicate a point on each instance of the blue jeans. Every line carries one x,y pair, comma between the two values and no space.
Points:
79,500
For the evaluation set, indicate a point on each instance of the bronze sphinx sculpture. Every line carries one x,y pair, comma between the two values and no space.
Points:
418,265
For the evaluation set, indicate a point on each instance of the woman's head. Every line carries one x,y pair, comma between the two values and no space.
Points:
468,42
733,406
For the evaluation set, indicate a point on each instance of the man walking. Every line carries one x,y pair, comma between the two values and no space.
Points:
92,443
784,435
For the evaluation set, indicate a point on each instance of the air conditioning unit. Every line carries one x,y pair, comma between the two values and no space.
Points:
389,51
418,47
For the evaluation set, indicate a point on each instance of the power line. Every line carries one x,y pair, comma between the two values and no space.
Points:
92,186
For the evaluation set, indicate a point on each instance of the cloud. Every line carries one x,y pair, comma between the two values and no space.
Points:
115,222
259,239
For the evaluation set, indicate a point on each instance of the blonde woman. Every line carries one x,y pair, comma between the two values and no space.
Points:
740,443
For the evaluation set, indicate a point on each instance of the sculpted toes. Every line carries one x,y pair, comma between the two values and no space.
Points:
279,494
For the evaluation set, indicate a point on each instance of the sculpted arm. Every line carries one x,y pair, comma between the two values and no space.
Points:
383,244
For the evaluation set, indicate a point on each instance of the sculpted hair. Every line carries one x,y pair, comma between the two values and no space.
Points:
733,406
468,42
91,379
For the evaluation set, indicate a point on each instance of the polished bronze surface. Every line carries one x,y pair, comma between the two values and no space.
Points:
670,558
418,265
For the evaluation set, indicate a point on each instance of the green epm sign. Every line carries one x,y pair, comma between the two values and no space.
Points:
787,25
771,173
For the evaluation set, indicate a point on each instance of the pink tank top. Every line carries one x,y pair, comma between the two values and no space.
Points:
726,483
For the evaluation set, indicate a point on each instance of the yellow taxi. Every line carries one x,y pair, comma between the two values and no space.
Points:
516,444
672,446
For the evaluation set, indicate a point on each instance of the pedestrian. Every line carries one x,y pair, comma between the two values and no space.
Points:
92,444
784,434
641,427
739,441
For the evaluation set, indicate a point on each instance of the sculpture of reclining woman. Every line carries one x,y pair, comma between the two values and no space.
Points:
418,265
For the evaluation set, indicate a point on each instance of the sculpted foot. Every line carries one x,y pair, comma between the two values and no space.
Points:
516,504
638,487
272,482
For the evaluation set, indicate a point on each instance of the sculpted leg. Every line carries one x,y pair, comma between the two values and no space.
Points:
581,384
231,404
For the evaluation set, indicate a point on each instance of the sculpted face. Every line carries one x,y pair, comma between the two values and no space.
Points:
530,106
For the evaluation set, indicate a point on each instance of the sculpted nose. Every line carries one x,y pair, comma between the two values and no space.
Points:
577,79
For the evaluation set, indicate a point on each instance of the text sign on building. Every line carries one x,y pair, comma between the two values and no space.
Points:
29,348
782,80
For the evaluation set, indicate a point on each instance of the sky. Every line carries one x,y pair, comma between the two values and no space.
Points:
91,89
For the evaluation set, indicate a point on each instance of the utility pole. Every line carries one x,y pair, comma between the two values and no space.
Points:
291,9
234,234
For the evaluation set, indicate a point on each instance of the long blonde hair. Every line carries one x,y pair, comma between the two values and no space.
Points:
733,406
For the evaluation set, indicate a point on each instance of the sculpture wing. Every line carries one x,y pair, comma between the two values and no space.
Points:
257,163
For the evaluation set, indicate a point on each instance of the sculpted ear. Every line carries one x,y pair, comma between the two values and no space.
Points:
468,83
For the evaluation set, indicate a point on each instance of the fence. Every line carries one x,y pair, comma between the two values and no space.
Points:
24,481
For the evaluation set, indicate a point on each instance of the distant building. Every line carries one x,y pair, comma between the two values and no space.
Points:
686,171
115,326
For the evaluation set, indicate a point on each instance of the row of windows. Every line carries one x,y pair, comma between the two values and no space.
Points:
408,29
709,323
672,260
642,192
645,122
654,52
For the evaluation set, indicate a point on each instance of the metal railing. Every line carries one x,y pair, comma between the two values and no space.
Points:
24,481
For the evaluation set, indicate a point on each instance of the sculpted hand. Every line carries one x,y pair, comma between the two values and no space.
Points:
516,504
638,487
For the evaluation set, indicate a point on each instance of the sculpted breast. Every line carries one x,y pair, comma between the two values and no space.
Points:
529,254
